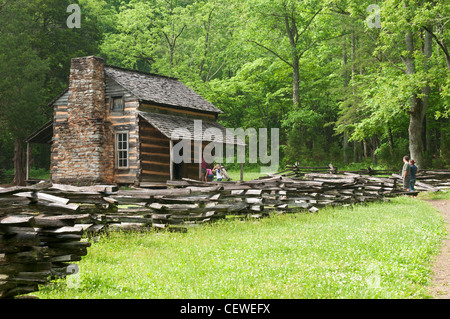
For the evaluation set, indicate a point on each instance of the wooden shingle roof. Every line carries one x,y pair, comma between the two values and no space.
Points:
159,89
42,135
174,127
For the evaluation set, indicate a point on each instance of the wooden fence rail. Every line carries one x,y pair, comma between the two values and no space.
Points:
433,178
42,226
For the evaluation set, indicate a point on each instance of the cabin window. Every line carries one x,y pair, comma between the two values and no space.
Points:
122,149
117,104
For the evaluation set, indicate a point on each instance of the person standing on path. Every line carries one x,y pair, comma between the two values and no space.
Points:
406,172
413,171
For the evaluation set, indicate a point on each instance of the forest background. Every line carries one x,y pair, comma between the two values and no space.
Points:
347,82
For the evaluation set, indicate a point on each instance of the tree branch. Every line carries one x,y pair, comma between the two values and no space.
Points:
273,52
167,38
438,41
176,37
309,22
220,67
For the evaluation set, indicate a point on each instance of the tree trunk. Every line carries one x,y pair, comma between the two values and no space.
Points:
374,148
426,89
291,30
207,26
365,148
353,54
390,140
345,83
345,147
344,64
19,156
296,82
416,113
415,132
428,134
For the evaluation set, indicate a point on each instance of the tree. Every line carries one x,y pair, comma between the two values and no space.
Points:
295,23
398,80
20,83
36,46
406,19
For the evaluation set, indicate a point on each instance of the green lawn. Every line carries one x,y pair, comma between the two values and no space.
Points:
249,174
381,250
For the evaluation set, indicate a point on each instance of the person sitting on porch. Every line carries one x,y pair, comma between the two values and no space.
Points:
225,174
217,169
209,175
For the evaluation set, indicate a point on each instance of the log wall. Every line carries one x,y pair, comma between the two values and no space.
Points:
154,154
123,121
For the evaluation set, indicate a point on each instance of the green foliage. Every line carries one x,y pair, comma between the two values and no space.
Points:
314,69
35,49
20,83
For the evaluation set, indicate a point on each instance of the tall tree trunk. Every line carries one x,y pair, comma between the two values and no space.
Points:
353,54
345,147
428,134
390,140
296,82
415,131
426,89
365,148
345,82
19,157
207,26
374,148
344,64
416,113
291,30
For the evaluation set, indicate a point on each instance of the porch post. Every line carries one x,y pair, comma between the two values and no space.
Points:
200,157
27,168
171,159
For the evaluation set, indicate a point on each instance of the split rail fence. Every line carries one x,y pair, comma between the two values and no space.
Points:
44,228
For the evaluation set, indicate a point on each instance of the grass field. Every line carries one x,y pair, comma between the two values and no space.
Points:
381,250
249,174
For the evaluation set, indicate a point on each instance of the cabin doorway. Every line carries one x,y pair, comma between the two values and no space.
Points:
177,170
189,166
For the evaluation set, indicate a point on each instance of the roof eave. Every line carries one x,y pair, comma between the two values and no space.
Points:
181,107
41,131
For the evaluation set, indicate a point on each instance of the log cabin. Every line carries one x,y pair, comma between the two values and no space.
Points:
114,125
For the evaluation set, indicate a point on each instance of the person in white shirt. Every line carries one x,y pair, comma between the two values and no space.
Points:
218,170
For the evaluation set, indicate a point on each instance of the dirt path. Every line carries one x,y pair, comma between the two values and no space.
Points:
440,287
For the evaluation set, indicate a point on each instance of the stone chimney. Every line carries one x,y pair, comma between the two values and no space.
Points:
86,90
79,143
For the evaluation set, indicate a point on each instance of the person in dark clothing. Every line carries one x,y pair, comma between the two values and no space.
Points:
406,172
203,177
413,170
